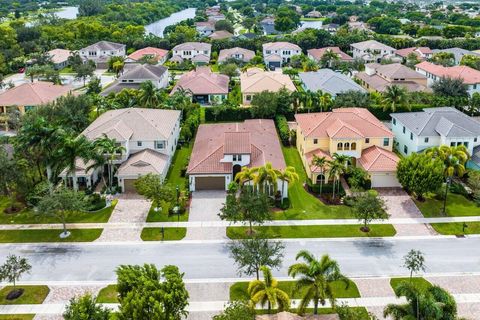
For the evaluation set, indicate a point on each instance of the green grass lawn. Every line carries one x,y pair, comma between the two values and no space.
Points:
44,235
305,206
456,228
311,19
238,291
67,70
159,216
27,216
419,282
179,161
108,294
17,316
31,295
155,234
362,310
327,231
457,206
214,67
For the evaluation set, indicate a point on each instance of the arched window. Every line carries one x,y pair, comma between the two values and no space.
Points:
346,146
354,146
320,179
340,146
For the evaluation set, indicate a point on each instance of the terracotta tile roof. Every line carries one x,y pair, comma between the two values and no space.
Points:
203,81
469,75
33,94
220,34
359,121
317,54
59,55
199,46
319,153
406,51
255,80
135,123
214,140
376,159
144,162
156,53
228,53
280,45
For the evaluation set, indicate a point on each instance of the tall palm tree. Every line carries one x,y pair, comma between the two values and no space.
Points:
336,170
325,100
266,176
73,148
310,65
267,292
395,96
246,175
454,159
98,161
288,175
110,148
329,59
149,95
433,303
316,278
343,159
297,98
320,163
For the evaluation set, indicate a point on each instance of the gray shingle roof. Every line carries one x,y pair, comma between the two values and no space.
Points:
439,121
329,81
458,53
144,72
105,45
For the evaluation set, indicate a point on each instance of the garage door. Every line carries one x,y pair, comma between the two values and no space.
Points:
384,180
129,185
209,183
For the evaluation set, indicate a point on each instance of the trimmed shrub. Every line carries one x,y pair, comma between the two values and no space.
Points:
283,129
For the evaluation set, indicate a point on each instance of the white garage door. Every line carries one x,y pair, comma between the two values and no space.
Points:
384,180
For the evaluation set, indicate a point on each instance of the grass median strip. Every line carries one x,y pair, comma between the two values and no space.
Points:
31,295
323,231
108,294
170,234
456,228
17,316
48,235
238,291
418,282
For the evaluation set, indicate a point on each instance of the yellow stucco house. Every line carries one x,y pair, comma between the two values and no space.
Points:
349,131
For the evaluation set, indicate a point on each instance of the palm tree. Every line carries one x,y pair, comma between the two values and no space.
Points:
395,96
454,159
336,170
267,292
73,148
329,59
310,65
266,176
297,98
346,68
325,100
432,303
246,175
316,278
320,163
98,162
149,95
288,175
342,158
110,148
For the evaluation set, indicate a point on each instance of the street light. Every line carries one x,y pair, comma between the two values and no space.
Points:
177,209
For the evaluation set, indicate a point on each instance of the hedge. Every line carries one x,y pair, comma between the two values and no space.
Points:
215,114
283,129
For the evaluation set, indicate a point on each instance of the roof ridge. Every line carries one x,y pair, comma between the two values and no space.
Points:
315,127
148,121
206,158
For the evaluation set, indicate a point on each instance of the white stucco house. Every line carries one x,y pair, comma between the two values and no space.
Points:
371,51
275,54
197,52
102,51
433,127
149,137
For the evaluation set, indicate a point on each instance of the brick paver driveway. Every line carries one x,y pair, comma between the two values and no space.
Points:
400,205
205,206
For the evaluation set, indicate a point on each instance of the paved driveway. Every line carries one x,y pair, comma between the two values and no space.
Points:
400,205
205,206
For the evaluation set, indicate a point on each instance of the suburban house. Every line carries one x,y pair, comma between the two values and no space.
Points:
378,77
458,53
29,95
197,52
149,137
275,54
221,150
268,26
371,51
314,14
239,54
135,74
422,53
205,28
255,80
433,127
205,86
317,54
101,52
328,81
433,72
59,58
358,25
354,132
220,35
148,53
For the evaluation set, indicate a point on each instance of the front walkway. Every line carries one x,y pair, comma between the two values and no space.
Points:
205,207
400,205
131,211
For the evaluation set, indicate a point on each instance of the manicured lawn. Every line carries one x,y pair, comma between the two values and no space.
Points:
305,206
67,70
31,295
159,216
311,19
17,316
238,291
44,235
155,234
456,228
419,282
362,310
327,231
108,294
27,216
457,206
179,161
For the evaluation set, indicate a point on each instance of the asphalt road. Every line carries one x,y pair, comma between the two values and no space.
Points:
87,262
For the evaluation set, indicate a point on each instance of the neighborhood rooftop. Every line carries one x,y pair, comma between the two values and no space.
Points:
33,94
